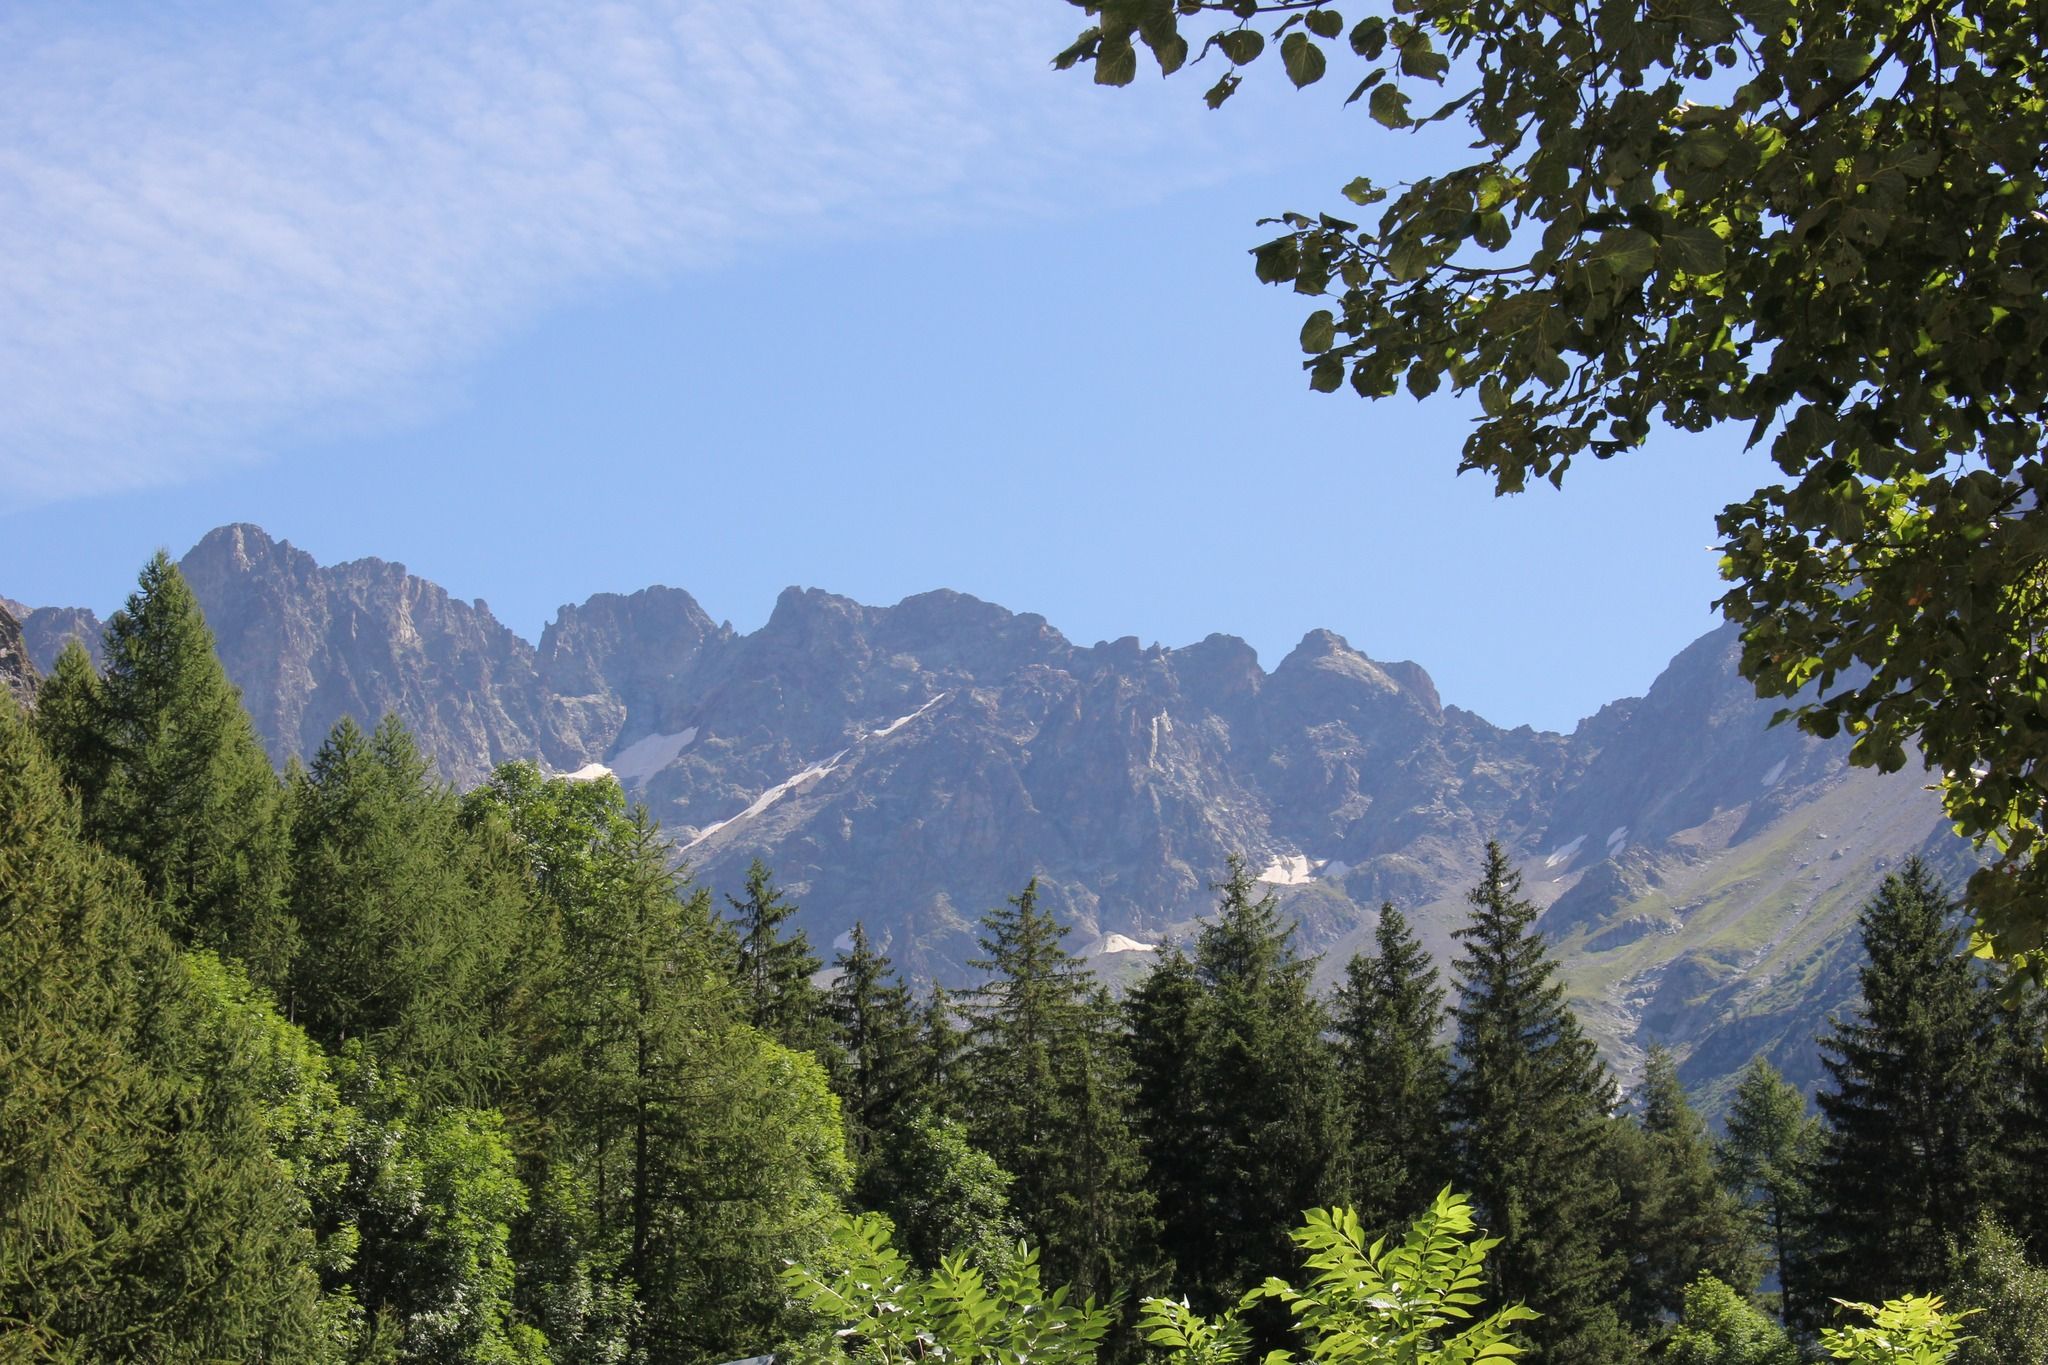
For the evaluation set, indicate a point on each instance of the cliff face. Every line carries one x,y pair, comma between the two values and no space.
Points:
910,766
17,673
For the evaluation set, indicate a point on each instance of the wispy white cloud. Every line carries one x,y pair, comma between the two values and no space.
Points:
210,228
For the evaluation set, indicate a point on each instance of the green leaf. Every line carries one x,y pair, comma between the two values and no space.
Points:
1631,253
1324,23
1116,63
1389,107
1319,333
1241,45
1694,250
1302,58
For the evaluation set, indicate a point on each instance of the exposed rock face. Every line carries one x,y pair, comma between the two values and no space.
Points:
17,674
910,766
48,629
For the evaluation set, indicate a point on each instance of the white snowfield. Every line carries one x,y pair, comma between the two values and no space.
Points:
1776,774
790,784
1563,853
1293,869
1119,943
589,772
639,761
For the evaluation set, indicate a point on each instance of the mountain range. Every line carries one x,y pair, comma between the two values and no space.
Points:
910,766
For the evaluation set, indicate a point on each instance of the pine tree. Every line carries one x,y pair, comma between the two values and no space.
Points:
143,1215
2021,1181
174,779
1908,1099
1765,1160
775,972
1529,1103
66,719
1678,1223
1045,1098
1394,1072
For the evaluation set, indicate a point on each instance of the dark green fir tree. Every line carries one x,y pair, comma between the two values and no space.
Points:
1678,1221
1529,1104
874,1050
1395,1070
776,966
1911,1115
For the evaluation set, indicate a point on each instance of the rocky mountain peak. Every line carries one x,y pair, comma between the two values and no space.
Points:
18,676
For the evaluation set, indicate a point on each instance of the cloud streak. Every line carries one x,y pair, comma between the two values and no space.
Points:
215,233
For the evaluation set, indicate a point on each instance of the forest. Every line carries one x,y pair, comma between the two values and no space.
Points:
341,1064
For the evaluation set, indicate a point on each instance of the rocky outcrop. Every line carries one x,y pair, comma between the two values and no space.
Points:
17,673
48,629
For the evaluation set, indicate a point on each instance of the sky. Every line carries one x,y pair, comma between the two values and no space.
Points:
544,299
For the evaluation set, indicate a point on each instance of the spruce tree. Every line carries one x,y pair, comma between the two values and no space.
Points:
143,1215
1529,1103
2021,1181
1765,1160
1266,1099
174,779
1678,1222
775,971
67,719
1045,1098
1394,1072
1908,1099
1166,1112
874,1037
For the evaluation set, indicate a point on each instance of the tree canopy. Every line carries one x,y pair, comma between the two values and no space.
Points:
1819,220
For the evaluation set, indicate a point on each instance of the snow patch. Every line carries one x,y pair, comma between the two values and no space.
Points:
1617,839
589,772
769,798
1294,869
1119,943
844,943
1776,774
643,758
897,724
1564,853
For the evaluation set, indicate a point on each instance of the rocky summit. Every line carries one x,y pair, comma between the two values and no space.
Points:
910,766
17,673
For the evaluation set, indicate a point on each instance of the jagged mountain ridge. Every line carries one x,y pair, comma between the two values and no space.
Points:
911,765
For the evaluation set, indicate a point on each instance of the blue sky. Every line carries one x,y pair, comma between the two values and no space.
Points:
544,299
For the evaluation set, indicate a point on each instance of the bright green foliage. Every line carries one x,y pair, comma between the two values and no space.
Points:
1720,1326
434,1193
408,925
1409,1303
686,1153
1265,1131
775,972
1815,221
889,1314
1909,1102
143,1214
1529,1104
1909,1331
2007,1296
1046,1085
1388,1015
174,779
1678,1222
1765,1159
944,1194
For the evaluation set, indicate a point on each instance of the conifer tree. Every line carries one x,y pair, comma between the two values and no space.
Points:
1529,1103
1166,1111
174,779
775,971
2021,1181
66,718
1908,1099
941,1073
874,1050
1046,1098
409,925
1270,1122
1765,1159
143,1215
1394,1071
1678,1222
